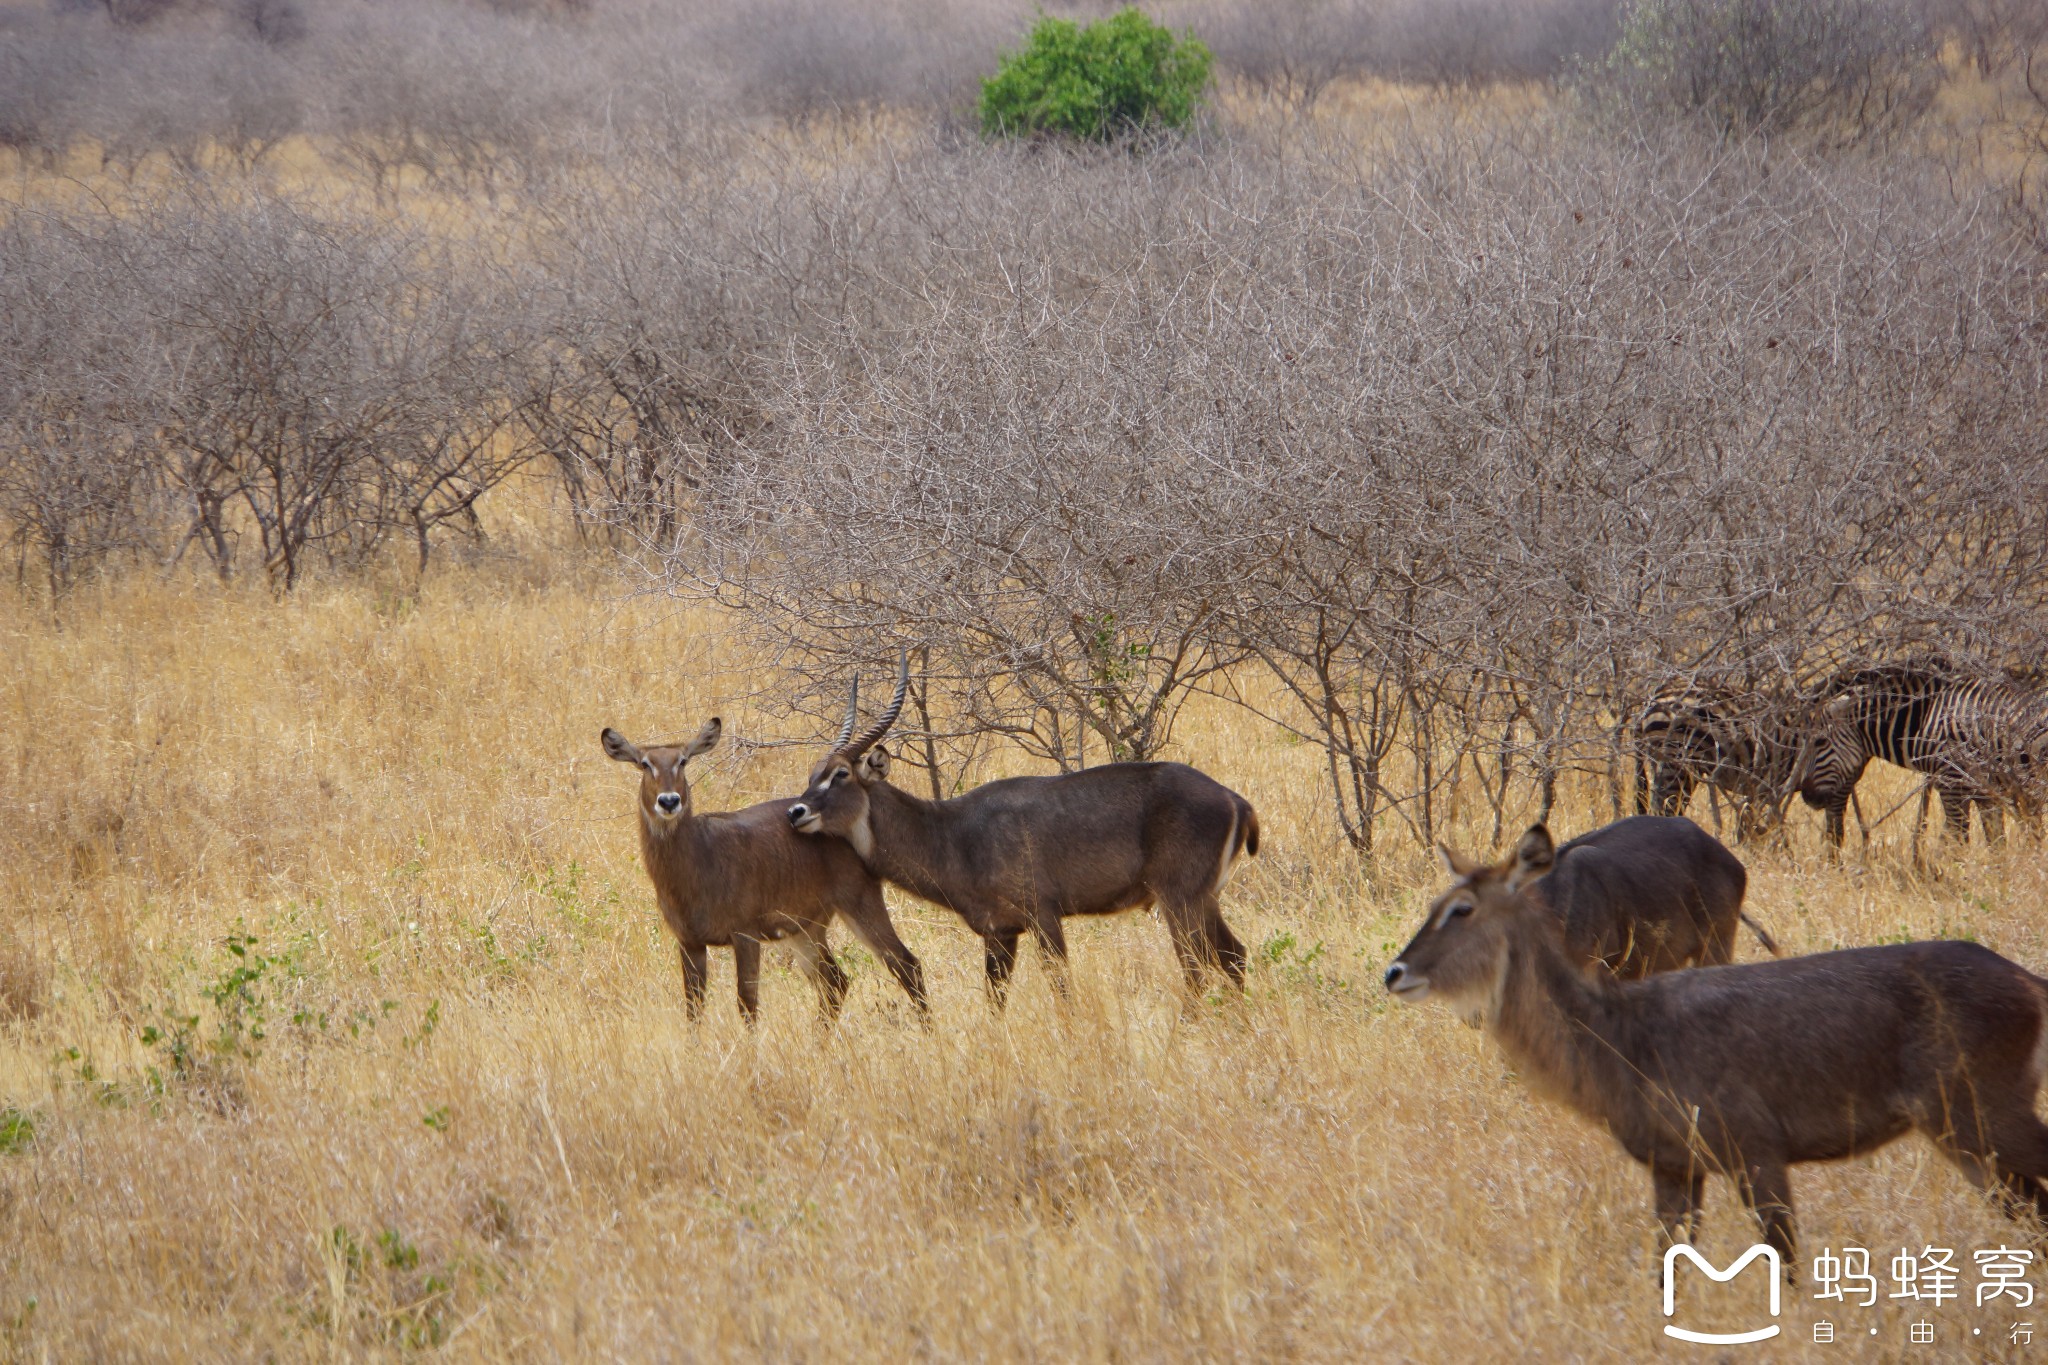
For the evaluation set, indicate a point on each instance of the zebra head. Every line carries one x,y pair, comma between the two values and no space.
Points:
1837,748
1752,745
1866,713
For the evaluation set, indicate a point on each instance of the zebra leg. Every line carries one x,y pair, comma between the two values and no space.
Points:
1663,791
1833,829
1955,812
1991,815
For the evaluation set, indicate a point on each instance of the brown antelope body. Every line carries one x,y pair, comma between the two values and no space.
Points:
1648,894
1748,1070
742,878
1022,853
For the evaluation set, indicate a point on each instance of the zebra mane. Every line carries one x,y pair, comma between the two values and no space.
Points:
1919,672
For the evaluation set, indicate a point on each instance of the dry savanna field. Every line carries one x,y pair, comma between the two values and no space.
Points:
397,394
358,857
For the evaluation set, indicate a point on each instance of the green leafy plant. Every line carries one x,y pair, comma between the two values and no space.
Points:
1100,81
418,1322
399,1254
17,1130
240,1013
1300,966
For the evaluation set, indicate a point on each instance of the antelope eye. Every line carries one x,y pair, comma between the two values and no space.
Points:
1461,909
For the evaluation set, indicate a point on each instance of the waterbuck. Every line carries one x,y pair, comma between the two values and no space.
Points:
1024,852
741,878
1746,1070
1648,894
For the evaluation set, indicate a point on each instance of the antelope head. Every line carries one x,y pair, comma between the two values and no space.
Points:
664,794
1461,952
835,802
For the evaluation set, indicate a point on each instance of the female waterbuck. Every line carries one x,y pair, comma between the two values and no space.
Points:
742,878
1747,1070
1024,852
1648,894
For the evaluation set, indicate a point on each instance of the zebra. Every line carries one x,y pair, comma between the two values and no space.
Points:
1981,741
1753,748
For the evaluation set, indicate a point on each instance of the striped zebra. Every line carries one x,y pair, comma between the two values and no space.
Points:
1752,748
1980,741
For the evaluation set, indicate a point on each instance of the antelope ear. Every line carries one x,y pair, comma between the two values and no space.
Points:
706,740
619,747
874,766
1534,856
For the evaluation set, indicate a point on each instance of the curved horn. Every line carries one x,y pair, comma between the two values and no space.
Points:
852,715
889,713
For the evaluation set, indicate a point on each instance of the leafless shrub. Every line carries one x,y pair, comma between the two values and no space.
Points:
192,371
77,477
1293,52
1993,34
277,22
449,93
132,13
1475,42
802,58
43,69
440,97
1476,456
674,277
337,378
945,492
1446,463
261,107
1843,70
473,97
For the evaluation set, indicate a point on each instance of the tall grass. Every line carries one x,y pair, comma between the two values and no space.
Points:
338,1022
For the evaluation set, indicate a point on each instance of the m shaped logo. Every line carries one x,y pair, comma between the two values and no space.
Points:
1769,1256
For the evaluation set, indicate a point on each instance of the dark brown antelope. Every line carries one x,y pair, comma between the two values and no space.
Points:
1750,1069
743,878
1024,852
1648,894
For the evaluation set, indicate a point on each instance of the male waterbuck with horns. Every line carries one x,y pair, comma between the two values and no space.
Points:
1024,852
742,878
1747,1070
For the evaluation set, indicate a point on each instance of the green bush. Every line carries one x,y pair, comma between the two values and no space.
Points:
1099,81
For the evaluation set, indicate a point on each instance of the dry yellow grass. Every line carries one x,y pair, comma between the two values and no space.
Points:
476,1122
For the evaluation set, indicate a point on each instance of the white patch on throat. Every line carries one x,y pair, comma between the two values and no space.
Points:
862,838
1480,1006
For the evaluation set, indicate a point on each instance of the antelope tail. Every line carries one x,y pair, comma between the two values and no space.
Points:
1770,944
1242,837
